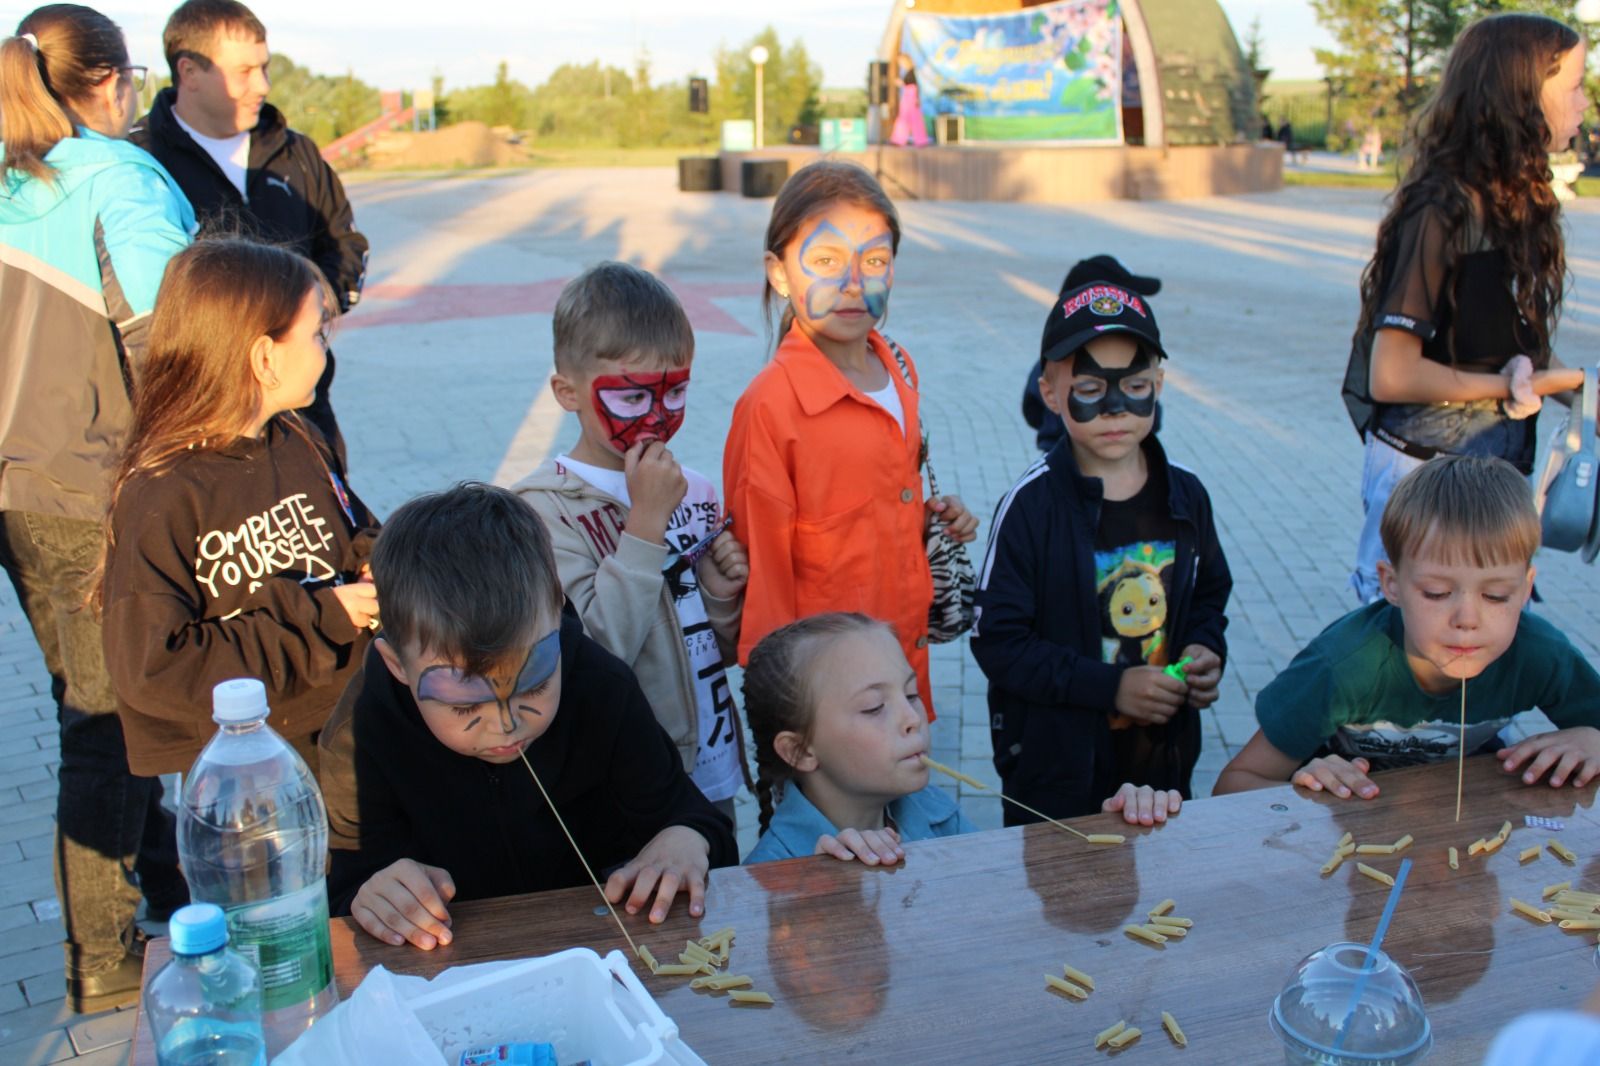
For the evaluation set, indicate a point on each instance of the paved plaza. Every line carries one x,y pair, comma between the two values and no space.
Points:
442,374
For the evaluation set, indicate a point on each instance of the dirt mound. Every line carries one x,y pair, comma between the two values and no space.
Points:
465,144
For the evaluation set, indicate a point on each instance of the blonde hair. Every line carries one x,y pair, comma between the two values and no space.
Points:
72,49
777,691
1462,509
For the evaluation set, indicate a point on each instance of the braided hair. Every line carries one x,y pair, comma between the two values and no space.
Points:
777,693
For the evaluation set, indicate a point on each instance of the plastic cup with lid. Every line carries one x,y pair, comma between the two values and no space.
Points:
1313,1014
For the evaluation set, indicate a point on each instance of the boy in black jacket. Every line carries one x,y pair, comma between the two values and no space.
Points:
479,668
1100,604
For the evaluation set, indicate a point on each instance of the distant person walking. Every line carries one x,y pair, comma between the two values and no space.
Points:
87,224
1371,149
240,164
909,125
1452,353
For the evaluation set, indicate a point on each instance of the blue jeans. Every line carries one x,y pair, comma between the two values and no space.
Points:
114,840
1381,470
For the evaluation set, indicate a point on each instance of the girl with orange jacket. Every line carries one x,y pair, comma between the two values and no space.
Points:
823,461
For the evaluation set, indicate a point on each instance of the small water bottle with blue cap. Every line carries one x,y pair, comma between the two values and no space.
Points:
204,1006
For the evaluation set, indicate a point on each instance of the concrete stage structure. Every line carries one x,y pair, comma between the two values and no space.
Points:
1189,122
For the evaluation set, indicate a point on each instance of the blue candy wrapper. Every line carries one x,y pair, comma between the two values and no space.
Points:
511,1055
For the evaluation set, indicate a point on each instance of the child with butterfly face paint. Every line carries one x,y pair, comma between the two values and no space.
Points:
643,548
1103,573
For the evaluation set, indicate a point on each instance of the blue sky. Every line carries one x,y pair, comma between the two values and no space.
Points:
403,44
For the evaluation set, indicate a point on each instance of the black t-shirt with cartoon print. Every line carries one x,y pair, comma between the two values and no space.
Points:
1134,549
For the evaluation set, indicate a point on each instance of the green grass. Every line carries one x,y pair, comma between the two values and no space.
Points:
1337,180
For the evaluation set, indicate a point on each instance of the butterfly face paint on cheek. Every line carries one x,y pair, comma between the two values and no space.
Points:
1097,391
635,407
447,685
835,264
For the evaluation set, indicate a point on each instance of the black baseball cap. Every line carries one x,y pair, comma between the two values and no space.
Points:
1094,309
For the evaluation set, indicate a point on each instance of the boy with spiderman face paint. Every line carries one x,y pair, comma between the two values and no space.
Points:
1101,599
643,549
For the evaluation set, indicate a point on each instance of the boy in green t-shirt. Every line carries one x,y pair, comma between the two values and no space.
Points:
1383,686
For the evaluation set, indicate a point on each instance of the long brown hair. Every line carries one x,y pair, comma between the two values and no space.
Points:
777,695
196,390
78,49
809,191
1480,154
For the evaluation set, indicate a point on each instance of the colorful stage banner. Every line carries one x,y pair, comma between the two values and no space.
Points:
1049,73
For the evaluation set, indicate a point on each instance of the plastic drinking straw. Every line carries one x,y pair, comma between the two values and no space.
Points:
1372,951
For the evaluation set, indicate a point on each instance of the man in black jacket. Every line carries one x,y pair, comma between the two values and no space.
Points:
240,164
479,670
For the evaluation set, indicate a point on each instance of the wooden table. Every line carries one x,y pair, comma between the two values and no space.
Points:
942,960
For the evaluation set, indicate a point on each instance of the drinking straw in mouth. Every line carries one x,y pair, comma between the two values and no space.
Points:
1372,952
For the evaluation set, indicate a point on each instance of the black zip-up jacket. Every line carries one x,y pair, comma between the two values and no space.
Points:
296,199
1037,635
394,792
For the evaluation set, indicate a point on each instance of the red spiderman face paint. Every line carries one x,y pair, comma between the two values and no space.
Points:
640,407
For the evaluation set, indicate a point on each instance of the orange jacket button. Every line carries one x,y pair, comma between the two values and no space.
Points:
905,496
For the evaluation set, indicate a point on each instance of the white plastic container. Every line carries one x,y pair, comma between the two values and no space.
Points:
588,1007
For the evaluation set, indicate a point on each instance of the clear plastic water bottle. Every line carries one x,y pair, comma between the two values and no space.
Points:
204,1006
253,839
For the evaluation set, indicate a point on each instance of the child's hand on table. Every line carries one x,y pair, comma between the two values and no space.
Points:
1567,754
678,858
725,569
1204,674
405,901
1333,773
1148,695
871,846
1143,805
960,524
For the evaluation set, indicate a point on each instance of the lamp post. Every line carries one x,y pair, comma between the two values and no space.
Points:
758,56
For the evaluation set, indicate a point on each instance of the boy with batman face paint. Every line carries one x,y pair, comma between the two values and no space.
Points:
1101,601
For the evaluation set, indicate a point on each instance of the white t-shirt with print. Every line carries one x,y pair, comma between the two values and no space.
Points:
888,398
231,153
716,763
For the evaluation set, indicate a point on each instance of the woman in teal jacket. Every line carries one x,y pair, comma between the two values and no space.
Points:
87,224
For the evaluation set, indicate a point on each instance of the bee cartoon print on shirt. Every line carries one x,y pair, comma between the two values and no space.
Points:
1132,588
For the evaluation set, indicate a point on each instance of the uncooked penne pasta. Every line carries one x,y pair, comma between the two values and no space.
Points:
723,934
1079,976
694,950
1164,907
1567,914
670,969
1169,930
647,958
1171,1025
1144,934
1561,851
1348,838
1573,896
1105,838
1376,875
1529,854
1346,849
1505,832
1529,909
1374,849
1403,843
1068,987
1106,1034
1492,845
740,996
707,966
1333,863
722,982
1455,860
1172,919
1559,886
1123,1039
1580,923
1477,846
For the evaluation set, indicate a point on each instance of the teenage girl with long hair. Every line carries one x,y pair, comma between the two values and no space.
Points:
1459,303
234,548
